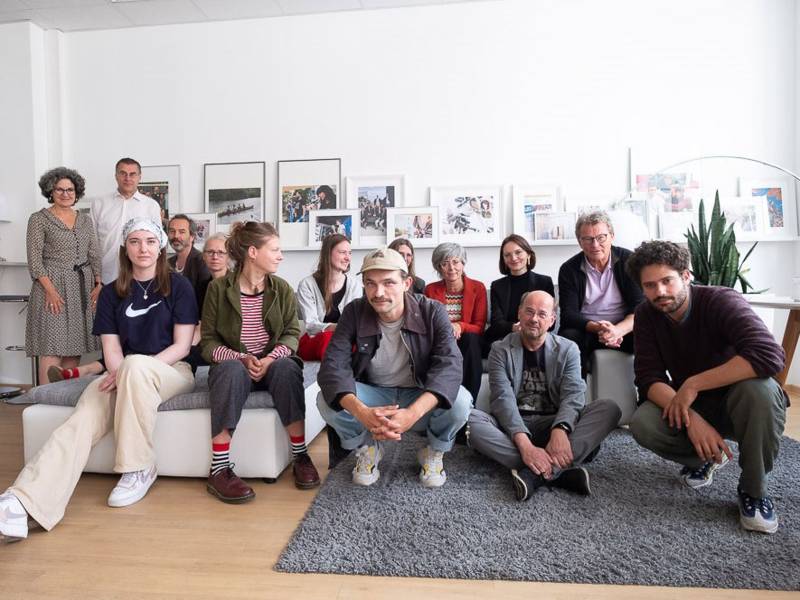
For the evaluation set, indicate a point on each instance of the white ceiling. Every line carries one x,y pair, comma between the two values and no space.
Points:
79,15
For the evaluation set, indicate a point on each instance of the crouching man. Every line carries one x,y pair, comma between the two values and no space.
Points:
540,426
393,366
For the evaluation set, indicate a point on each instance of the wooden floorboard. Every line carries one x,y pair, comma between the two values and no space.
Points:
181,542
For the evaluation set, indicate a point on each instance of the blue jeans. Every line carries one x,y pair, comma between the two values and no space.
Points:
440,424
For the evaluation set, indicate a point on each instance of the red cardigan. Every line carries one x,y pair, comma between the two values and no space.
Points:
473,307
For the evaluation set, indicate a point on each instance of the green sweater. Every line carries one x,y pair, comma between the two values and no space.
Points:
222,315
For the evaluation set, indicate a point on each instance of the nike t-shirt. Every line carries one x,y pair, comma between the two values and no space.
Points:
145,326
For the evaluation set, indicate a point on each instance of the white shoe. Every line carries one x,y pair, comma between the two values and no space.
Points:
366,470
13,519
132,487
432,472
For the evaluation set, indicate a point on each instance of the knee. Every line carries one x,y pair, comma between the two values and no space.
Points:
133,364
759,396
643,423
462,406
610,410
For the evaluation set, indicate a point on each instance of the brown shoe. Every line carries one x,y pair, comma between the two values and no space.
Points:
228,487
305,473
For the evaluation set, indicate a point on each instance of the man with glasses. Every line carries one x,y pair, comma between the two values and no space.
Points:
538,424
597,298
111,212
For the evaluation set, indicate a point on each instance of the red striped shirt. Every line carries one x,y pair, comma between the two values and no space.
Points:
254,336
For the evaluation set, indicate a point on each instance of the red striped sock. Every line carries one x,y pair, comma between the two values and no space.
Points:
70,373
220,457
298,444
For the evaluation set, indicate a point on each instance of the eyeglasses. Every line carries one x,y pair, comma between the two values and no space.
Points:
600,239
215,253
64,191
453,262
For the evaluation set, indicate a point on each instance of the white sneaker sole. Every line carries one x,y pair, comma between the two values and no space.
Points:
696,485
121,502
366,479
758,525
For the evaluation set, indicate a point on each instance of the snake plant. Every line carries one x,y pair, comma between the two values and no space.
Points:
715,258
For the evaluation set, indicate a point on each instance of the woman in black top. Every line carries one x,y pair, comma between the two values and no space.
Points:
517,260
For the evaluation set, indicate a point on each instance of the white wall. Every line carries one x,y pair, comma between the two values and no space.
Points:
514,91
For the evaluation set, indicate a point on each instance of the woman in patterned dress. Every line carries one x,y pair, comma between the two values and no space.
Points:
64,263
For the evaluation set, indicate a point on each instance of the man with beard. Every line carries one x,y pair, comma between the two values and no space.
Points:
705,366
540,426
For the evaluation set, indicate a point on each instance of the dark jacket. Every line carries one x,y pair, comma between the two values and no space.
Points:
572,288
503,315
222,315
436,361
196,271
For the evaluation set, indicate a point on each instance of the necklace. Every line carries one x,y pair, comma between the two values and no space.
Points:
254,286
145,289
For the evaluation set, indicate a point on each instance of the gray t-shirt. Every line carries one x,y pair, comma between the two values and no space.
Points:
391,365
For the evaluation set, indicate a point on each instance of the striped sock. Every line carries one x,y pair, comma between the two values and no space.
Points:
220,458
298,444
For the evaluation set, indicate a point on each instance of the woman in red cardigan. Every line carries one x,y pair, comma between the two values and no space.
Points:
465,301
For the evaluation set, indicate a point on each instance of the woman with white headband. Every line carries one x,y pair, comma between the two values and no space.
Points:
145,320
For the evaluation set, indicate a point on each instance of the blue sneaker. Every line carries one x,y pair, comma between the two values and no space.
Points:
757,514
702,475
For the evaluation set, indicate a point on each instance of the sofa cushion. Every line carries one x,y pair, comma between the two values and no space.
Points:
67,392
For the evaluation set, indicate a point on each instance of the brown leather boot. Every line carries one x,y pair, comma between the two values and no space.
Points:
305,473
228,487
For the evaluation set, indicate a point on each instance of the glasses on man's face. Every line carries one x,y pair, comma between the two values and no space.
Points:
600,239
215,253
64,191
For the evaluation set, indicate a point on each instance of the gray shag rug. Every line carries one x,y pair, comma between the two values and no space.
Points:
641,526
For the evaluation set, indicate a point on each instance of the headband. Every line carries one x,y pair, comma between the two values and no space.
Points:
144,224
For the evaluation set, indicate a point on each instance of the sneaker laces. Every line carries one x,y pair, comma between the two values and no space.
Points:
433,462
763,505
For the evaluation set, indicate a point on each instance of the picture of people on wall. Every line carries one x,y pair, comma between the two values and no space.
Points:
298,200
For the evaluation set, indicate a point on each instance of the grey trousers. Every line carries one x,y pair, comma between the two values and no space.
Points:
596,421
229,385
752,412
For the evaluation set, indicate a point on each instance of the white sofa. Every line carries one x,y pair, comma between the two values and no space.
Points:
260,446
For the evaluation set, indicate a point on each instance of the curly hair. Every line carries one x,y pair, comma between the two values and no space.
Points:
48,181
657,252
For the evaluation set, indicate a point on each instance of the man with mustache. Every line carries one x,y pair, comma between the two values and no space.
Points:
540,426
393,366
705,366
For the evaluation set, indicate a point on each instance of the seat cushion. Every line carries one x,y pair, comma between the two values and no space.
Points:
67,392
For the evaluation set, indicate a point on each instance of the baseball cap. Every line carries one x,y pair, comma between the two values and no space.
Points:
384,259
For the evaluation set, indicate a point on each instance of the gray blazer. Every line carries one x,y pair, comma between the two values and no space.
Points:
562,370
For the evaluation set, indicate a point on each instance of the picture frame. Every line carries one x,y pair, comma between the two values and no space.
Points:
305,185
527,200
673,226
234,191
206,226
418,224
670,192
778,202
84,207
469,215
373,195
162,183
324,222
554,226
747,215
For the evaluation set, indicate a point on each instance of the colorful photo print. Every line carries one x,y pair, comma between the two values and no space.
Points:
297,201
774,199
373,201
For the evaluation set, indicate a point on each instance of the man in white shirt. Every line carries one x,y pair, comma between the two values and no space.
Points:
111,212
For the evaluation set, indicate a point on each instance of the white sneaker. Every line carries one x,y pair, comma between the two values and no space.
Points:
432,472
132,487
13,519
366,470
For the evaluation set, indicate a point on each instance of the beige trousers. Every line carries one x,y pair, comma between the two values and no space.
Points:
47,482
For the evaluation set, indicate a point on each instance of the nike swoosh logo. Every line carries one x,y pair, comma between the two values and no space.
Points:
130,312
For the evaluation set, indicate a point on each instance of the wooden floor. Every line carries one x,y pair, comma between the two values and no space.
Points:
179,541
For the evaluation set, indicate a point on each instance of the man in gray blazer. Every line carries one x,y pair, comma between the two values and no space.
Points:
539,425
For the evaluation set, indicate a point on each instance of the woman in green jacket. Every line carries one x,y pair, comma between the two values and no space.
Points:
249,337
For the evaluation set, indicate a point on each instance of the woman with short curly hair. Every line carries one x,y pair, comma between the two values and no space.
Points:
64,263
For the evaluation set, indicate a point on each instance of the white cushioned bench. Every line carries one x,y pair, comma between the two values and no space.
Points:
182,435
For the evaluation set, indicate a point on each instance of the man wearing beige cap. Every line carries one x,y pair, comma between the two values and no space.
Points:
393,366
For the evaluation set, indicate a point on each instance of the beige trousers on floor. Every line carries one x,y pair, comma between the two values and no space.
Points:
47,482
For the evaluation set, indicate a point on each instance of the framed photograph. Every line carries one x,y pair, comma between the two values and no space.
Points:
529,200
234,192
206,226
417,224
372,196
671,192
747,216
163,184
778,201
554,226
304,186
322,223
673,226
469,215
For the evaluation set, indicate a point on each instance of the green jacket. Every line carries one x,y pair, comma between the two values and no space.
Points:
222,315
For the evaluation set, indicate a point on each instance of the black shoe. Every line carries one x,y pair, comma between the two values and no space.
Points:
525,483
575,479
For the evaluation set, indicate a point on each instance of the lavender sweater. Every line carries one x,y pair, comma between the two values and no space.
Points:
719,325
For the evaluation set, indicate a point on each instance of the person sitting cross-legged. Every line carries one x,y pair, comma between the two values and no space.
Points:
539,425
392,366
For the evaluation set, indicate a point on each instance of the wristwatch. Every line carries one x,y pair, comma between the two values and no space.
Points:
563,426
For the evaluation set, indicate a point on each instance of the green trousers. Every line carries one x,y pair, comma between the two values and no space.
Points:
751,412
